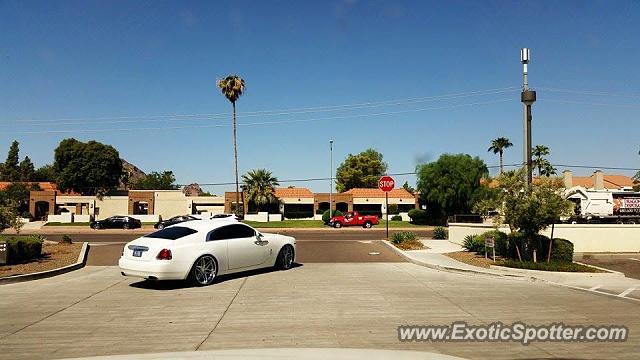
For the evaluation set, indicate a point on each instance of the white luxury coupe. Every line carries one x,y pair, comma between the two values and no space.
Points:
201,250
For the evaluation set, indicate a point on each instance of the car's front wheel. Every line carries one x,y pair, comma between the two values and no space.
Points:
337,224
160,226
367,225
285,258
126,226
96,226
204,271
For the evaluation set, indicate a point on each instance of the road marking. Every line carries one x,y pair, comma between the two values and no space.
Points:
595,288
626,292
374,253
364,241
634,259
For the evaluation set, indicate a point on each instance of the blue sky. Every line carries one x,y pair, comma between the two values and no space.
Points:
128,67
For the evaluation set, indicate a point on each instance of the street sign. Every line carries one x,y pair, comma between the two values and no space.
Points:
386,183
489,242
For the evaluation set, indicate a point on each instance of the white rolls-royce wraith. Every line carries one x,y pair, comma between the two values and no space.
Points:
199,251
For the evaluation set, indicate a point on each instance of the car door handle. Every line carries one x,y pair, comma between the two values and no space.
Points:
261,242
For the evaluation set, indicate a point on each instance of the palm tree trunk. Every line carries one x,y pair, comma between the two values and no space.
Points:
235,156
501,164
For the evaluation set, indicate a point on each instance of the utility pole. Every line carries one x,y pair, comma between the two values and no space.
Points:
527,97
331,179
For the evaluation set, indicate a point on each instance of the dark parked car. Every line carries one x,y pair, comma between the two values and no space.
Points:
174,220
116,222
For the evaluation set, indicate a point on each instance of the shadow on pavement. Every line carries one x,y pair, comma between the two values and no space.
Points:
184,284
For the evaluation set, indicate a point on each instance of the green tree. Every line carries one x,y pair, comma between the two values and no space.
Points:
360,171
408,187
155,181
528,209
26,170
16,196
232,88
498,146
9,218
90,168
259,185
10,168
447,186
45,173
540,162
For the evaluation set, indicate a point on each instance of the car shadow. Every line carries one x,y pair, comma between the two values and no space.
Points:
183,284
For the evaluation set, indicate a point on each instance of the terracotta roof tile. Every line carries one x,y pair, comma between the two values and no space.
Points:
377,193
293,193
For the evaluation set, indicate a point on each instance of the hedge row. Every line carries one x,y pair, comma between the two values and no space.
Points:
505,245
21,249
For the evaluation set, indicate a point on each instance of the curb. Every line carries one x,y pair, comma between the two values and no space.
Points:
452,269
82,261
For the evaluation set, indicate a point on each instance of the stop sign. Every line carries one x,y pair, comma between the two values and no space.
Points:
386,183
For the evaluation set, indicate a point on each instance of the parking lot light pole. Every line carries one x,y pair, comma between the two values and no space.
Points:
330,178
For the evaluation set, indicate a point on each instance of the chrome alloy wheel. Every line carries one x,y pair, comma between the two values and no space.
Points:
205,270
287,257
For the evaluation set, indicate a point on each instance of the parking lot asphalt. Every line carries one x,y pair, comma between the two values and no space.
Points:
96,311
313,246
628,264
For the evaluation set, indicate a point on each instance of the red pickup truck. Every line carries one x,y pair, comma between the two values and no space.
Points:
352,218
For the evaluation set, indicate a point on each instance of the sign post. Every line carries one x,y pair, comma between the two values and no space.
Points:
386,184
490,242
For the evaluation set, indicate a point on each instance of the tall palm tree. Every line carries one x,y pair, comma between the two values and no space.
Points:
232,88
259,185
540,162
498,146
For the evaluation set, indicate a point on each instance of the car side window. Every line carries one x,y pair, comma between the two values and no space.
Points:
233,231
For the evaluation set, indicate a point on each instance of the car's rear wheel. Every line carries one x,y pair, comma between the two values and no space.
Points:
160,226
337,224
285,258
96,226
204,271
126,226
367,225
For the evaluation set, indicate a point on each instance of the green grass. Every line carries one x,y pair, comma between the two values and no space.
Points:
551,266
320,224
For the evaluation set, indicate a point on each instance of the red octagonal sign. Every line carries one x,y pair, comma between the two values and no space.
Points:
386,183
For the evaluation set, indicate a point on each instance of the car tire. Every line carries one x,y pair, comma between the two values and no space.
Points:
367,225
204,271
96,226
285,259
337,225
126,226
160,226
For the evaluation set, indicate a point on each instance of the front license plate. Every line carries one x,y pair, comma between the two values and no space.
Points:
137,253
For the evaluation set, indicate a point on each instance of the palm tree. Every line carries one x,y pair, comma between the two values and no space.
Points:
259,185
498,146
232,88
540,162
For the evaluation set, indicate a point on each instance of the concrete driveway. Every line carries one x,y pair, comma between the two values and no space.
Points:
95,311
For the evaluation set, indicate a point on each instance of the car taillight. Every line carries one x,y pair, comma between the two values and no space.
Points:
164,254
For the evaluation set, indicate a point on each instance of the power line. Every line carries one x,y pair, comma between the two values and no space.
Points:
158,128
281,111
587,92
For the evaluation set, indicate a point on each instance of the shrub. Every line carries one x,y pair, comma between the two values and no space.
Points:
403,236
418,216
393,209
66,239
396,218
440,233
501,243
562,250
473,243
544,266
21,249
325,216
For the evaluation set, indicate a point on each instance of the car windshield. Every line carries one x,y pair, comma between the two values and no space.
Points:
172,233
